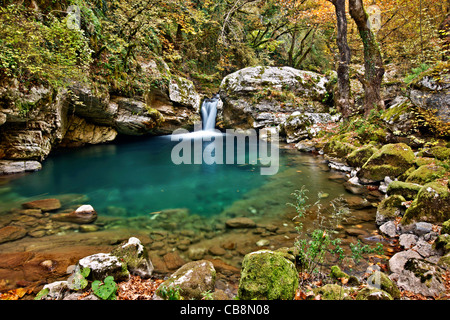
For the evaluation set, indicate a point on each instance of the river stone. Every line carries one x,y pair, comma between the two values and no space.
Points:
193,279
134,254
422,277
103,265
11,233
83,215
389,229
267,275
44,204
240,222
407,241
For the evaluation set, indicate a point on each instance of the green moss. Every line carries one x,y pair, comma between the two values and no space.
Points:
331,292
381,281
431,204
420,161
337,274
446,227
441,153
358,157
426,173
373,294
267,275
390,207
391,160
405,189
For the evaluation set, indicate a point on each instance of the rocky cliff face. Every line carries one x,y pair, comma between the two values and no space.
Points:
34,123
259,97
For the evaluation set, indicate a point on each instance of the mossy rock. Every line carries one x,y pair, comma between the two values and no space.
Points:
358,157
405,189
389,209
421,161
426,173
431,204
381,281
444,261
339,146
191,281
337,274
134,255
267,275
391,160
373,294
446,227
331,292
440,153
442,242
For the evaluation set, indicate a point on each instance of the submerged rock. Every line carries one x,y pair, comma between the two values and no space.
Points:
11,233
44,204
267,275
240,222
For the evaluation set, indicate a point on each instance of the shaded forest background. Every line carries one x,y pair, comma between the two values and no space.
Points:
203,40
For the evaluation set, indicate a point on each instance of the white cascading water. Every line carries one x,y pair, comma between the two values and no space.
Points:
209,113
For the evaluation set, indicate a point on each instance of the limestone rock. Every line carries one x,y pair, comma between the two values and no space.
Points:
80,132
245,95
193,279
19,166
422,277
103,265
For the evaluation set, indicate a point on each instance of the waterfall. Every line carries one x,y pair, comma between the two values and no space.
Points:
209,113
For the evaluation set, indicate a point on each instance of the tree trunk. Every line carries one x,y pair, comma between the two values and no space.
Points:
373,63
344,104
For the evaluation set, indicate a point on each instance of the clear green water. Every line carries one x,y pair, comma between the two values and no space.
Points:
138,177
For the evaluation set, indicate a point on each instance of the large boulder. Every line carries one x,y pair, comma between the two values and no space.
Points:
267,275
258,97
300,126
422,277
432,93
391,160
426,173
192,280
431,204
